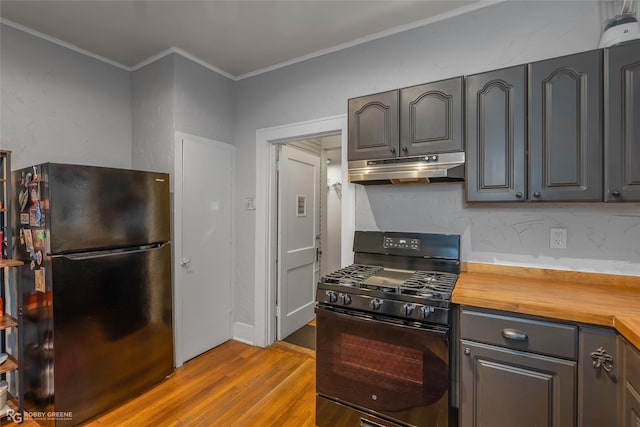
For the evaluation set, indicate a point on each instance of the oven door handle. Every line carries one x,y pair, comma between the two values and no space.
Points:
368,423
439,330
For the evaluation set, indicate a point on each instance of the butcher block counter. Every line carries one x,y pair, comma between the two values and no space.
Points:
598,299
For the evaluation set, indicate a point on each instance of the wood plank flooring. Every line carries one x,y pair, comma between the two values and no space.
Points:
233,384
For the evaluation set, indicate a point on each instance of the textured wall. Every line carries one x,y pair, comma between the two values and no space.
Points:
601,237
204,101
153,116
174,94
61,106
497,36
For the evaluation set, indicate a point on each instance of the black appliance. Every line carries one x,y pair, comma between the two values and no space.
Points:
97,295
384,328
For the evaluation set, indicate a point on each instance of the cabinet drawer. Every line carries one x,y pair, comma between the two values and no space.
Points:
554,339
632,366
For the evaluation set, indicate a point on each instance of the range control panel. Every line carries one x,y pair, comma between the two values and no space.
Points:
401,243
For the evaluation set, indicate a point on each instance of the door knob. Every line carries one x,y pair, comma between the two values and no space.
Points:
185,262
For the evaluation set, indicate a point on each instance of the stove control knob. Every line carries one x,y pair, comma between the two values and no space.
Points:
407,309
425,311
332,296
376,304
345,299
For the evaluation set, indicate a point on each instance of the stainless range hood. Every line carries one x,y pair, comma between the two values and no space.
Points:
442,167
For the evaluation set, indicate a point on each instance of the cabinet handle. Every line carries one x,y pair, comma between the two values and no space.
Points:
519,195
536,194
467,351
393,150
514,334
602,359
616,193
368,423
405,149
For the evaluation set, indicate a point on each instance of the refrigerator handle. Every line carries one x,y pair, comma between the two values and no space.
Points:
99,254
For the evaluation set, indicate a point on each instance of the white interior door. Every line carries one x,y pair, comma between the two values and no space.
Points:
298,226
207,178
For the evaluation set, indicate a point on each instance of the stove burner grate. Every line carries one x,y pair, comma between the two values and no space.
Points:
352,275
430,284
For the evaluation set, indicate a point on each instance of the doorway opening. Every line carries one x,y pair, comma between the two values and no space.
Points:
309,193
266,249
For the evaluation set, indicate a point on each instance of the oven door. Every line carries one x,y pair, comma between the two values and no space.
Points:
380,367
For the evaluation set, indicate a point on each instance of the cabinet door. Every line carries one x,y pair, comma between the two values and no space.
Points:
631,404
496,133
505,388
598,385
622,122
565,128
373,126
431,118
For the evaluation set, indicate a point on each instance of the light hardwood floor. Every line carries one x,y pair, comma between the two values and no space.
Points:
233,384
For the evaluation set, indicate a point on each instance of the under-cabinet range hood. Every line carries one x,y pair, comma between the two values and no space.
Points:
442,167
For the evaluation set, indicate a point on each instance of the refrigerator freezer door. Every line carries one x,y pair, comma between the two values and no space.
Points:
97,208
111,333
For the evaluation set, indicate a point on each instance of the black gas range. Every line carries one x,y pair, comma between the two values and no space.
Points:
408,276
384,331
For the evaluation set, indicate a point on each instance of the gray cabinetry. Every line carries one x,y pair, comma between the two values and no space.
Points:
631,388
417,120
496,135
600,368
622,122
516,371
565,128
373,126
431,118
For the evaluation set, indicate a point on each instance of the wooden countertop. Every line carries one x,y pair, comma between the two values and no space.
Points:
599,299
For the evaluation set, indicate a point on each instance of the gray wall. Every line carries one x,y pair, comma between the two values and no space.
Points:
496,36
154,117
174,94
61,106
205,102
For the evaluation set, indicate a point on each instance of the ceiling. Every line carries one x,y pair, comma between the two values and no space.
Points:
238,38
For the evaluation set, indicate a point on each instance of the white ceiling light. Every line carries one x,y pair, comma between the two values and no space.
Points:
622,27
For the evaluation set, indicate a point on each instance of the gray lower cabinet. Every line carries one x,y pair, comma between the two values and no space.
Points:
600,370
565,128
373,126
516,371
622,122
631,389
496,109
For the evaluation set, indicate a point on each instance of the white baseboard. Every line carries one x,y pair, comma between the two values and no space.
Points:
243,332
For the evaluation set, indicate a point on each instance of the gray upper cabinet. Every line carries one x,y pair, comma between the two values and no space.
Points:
431,118
373,126
622,122
565,128
496,112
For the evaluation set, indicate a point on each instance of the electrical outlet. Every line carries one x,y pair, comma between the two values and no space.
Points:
558,238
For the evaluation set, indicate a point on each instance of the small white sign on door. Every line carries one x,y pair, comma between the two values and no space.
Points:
301,205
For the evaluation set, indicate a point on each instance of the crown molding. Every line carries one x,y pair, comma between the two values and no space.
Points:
62,43
396,30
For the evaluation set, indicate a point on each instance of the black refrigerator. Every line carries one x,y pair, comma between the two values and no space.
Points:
97,292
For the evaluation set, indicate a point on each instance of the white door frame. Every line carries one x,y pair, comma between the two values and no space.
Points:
266,213
177,235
